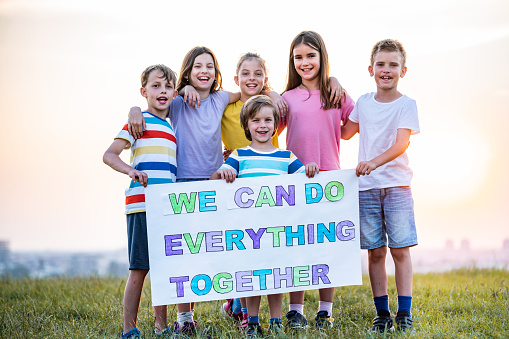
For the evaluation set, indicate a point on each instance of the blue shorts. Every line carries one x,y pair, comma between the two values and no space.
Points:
137,243
191,179
387,213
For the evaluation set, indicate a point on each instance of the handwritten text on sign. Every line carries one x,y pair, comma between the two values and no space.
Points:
212,240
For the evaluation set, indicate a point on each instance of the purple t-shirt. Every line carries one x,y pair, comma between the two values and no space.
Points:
198,131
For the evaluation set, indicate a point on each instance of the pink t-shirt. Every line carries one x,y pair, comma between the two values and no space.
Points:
313,134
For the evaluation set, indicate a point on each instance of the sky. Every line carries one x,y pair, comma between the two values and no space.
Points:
69,72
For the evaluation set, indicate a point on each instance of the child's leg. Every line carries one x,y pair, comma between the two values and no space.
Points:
376,269
185,323
326,299
275,304
403,276
160,313
296,301
253,307
132,296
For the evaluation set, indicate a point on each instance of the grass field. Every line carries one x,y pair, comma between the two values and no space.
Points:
470,303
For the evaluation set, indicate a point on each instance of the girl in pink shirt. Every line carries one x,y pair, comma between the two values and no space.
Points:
314,133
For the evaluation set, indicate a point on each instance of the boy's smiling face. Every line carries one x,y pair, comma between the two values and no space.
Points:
159,93
387,68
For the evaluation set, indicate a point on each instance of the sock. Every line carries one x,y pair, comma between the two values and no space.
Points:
325,306
236,307
272,320
183,317
244,310
297,307
192,311
254,319
381,303
404,304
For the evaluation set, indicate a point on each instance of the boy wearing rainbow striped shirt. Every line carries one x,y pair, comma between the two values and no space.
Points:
153,161
259,118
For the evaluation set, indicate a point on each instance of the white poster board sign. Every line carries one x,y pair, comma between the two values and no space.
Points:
211,240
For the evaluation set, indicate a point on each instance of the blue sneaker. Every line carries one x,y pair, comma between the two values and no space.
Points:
164,334
132,334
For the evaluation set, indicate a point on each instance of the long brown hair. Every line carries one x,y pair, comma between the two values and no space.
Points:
187,65
315,41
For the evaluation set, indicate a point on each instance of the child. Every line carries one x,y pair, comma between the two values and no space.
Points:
259,118
314,133
386,119
158,87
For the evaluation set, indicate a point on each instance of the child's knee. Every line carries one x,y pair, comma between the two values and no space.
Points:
377,254
400,254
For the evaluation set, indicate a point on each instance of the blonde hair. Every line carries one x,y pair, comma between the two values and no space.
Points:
261,61
169,75
315,41
252,106
388,45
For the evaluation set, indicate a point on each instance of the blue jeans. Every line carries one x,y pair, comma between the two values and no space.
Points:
387,215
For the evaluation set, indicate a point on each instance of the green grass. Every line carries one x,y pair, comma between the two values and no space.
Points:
469,303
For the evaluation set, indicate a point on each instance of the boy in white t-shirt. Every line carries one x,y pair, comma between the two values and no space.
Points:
385,120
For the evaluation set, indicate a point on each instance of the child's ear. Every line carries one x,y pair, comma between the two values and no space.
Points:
143,92
403,72
370,70
265,81
236,79
175,93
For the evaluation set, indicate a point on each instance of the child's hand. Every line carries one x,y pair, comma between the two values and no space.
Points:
139,176
226,153
311,169
336,91
365,167
226,174
280,103
136,123
191,96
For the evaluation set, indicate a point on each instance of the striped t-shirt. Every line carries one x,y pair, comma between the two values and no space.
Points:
155,154
247,162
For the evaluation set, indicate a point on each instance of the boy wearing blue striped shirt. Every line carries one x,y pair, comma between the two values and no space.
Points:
259,118
153,161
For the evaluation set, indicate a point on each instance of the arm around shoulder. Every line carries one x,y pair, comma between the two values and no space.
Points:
349,130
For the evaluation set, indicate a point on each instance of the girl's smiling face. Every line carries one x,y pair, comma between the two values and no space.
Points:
307,64
203,73
251,79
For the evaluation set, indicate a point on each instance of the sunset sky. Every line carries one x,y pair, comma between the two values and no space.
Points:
69,72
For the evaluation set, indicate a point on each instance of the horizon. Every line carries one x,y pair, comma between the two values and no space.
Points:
70,73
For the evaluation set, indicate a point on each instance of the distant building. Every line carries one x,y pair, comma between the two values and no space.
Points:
5,252
465,245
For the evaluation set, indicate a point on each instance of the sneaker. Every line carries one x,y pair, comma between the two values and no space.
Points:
132,334
164,334
323,321
188,329
404,322
244,322
227,311
382,323
295,320
254,330
276,329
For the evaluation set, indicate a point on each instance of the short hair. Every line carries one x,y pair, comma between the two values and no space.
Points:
187,65
388,45
169,75
261,61
252,106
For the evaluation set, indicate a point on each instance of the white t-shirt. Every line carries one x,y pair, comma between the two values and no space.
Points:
378,127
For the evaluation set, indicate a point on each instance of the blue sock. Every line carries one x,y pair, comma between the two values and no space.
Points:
254,319
381,303
236,308
404,303
272,320
244,310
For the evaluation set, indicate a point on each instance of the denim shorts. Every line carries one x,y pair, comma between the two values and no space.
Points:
387,214
137,243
